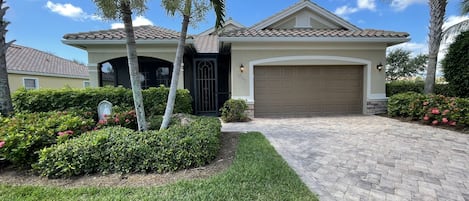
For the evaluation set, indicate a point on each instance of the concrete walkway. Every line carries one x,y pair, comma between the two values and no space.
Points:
370,157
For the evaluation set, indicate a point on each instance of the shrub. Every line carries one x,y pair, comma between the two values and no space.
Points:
127,119
403,86
456,65
87,99
406,105
121,150
431,109
234,111
25,134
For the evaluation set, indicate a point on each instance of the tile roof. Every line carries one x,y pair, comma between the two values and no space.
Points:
141,33
366,33
206,44
25,59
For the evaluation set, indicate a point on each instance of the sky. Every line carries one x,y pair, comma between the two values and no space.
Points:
41,24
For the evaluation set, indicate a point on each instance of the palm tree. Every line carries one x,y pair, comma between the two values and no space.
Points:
122,9
459,27
437,16
188,9
6,107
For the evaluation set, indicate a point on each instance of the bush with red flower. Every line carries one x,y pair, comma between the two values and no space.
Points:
127,119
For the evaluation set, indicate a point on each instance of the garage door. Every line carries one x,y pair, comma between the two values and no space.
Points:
307,90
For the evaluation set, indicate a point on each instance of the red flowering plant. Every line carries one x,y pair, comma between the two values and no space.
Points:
127,119
439,110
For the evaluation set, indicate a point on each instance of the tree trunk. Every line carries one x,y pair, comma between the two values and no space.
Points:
6,107
177,67
437,16
133,66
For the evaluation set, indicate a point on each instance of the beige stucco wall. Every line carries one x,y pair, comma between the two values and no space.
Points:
356,53
100,53
16,81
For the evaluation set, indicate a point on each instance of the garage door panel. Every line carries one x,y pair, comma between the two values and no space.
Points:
307,90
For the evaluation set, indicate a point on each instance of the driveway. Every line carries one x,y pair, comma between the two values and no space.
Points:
370,157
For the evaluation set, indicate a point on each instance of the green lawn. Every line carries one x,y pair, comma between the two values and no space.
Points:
257,173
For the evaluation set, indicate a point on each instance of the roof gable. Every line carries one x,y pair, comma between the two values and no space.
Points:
227,26
305,14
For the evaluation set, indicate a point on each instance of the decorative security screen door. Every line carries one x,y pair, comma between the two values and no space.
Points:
205,86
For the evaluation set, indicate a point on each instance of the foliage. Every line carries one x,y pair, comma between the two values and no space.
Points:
26,133
400,64
402,86
111,9
431,109
121,150
44,100
250,177
456,65
127,119
234,111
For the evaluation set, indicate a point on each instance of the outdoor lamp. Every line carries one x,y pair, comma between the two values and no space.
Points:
379,66
241,68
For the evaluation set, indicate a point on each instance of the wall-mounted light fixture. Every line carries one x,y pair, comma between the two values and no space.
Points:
379,66
241,68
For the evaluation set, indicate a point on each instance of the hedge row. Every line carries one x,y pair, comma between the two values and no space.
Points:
44,100
432,109
121,150
397,87
24,134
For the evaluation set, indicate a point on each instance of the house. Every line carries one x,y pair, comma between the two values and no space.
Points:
302,61
33,69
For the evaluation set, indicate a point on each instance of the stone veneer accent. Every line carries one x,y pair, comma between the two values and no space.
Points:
250,110
376,106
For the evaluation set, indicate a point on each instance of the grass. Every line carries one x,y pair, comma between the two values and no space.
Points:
257,173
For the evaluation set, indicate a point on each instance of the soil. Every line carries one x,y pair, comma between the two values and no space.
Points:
229,142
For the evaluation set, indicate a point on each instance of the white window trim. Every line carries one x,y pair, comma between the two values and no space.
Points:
84,83
31,78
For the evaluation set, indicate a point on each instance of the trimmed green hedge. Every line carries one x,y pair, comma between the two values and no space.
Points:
403,86
44,100
24,134
234,111
121,150
432,109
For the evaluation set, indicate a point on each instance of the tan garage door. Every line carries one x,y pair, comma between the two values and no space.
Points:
307,90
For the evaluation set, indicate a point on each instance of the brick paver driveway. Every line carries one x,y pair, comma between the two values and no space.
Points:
370,157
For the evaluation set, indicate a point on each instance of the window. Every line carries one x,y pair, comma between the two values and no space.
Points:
86,84
163,76
30,83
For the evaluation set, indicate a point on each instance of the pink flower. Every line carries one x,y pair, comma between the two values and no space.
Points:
61,133
127,120
2,143
69,132
444,120
425,103
452,123
116,120
435,111
445,112
435,122
102,121
426,118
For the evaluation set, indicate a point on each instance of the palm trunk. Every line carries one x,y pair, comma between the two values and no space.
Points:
133,66
177,67
6,107
437,16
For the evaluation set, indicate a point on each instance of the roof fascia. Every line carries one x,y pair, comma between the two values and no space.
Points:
389,40
46,74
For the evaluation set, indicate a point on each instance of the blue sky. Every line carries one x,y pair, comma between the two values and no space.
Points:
41,24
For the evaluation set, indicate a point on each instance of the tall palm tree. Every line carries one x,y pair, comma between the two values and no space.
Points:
459,27
188,9
6,107
437,16
122,9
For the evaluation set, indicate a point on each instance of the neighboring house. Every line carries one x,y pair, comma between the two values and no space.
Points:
302,61
33,69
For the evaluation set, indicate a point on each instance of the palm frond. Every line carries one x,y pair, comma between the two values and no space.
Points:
219,7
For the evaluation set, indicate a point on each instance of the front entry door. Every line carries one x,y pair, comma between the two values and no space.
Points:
205,78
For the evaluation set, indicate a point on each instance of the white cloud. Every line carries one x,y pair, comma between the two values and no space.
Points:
69,10
138,21
415,48
343,11
366,4
400,5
